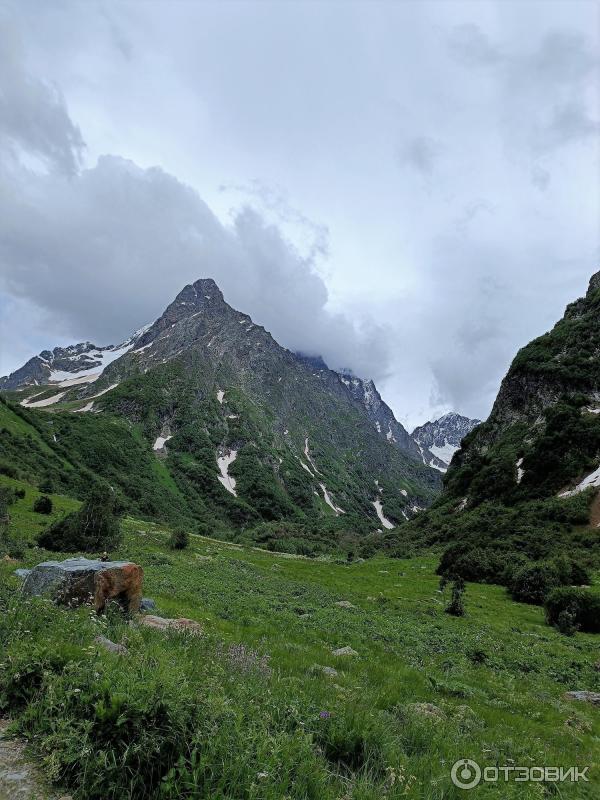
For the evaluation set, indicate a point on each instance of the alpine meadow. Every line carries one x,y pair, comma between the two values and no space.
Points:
322,520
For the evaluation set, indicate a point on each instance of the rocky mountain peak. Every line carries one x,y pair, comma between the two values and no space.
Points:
440,439
198,296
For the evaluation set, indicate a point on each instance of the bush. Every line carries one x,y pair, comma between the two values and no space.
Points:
581,605
179,540
456,606
532,583
43,505
94,527
20,494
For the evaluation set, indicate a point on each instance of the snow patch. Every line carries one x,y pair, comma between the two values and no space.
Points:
77,381
306,467
378,426
591,480
383,519
220,396
159,444
520,471
445,452
87,407
224,462
308,457
329,501
49,401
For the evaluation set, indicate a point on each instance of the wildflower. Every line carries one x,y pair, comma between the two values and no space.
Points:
324,714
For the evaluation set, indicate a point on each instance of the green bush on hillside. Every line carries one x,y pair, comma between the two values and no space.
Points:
582,604
179,540
94,527
43,505
531,584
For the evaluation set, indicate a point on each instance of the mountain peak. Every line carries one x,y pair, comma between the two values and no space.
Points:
199,294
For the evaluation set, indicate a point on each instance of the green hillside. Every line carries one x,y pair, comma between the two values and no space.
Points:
516,491
246,710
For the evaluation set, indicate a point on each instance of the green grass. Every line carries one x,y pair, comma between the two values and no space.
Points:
497,675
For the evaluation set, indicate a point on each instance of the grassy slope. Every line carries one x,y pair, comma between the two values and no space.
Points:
501,661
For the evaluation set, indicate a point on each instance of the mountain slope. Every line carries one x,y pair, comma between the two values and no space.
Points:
249,432
440,439
525,481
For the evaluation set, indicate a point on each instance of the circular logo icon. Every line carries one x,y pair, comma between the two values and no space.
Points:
465,773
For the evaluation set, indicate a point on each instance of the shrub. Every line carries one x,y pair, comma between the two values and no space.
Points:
531,584
43,505
456,606
9,470
20,494
94,527
580,607
180,539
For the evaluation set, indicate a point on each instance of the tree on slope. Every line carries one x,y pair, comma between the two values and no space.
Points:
95,526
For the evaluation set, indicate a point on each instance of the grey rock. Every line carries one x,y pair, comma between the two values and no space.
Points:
330,671
22,573
345,604
112,647
344,651
82,580
147,604
584,696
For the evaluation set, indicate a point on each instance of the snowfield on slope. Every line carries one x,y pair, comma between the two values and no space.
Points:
224,462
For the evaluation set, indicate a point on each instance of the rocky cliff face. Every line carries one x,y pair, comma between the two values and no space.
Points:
439,440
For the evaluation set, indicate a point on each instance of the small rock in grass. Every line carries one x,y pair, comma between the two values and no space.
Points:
330,671
427,710
345,604
587,697
163,624
112,647
344,651
147,604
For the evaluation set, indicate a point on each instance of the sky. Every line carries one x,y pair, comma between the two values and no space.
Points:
410,189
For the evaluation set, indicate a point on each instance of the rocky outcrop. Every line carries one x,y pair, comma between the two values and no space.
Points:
81,580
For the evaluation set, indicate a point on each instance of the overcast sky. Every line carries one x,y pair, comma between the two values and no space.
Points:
409,188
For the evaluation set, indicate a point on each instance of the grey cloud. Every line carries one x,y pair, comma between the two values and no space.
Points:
105,251
540,177
470,46
568,123
421,153
33,114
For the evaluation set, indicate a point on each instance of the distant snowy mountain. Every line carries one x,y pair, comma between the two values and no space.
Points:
66,366
439,440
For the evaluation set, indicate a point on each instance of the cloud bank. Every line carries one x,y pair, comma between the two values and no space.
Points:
101,251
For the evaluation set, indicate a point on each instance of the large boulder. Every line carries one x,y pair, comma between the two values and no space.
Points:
83,580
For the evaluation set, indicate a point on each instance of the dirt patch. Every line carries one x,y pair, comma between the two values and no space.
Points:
18,778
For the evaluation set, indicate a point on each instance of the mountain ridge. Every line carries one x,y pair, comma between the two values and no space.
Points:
246,429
